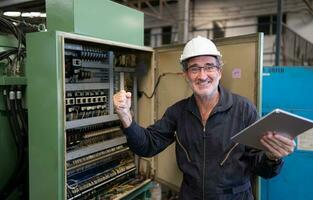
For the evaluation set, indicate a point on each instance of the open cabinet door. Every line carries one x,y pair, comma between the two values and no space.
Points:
242,71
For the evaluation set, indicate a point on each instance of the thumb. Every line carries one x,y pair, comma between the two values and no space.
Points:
128,95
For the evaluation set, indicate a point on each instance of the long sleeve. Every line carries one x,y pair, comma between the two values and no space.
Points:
262,166
150,141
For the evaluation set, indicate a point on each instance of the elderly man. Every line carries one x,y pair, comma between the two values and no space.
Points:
213,166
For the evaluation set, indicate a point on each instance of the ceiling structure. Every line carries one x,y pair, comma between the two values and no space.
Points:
22,5
147,6
26,6
154,8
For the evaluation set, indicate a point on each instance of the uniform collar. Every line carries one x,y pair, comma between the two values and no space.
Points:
224,103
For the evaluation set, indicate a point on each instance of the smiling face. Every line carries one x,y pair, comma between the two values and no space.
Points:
203,75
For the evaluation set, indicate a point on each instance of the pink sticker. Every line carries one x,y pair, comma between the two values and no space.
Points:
236,73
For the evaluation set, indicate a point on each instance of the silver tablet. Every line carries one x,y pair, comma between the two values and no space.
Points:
280,121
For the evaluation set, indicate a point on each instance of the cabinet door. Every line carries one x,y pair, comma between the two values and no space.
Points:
295,179
242,57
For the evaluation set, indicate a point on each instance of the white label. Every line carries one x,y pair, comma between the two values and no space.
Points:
236,73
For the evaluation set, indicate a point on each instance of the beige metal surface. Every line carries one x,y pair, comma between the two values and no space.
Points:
145,115
241,74
241,70
172,88
145,105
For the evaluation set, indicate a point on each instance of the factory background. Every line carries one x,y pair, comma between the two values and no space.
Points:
62,61
216,19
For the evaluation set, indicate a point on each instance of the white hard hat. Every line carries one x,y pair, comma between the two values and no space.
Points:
199,46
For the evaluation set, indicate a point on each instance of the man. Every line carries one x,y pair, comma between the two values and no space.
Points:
213,166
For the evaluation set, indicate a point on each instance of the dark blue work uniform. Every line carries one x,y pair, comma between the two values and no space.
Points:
213,166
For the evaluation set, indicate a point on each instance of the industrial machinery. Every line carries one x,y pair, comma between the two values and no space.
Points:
74,131
97,154
13,116
76,146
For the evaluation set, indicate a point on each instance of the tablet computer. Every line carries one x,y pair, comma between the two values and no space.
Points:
280,121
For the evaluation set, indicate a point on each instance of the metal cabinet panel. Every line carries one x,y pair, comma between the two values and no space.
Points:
290,88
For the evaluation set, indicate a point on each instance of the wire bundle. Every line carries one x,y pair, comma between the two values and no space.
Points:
12,97
17,116
7,26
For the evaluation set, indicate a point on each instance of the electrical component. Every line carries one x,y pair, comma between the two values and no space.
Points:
98,157
86,103
79,137
125,60
87,63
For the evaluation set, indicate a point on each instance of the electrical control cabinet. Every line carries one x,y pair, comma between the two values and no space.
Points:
76,143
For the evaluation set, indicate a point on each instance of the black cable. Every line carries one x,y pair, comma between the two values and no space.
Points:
21,112
8,188
21,176
7,26
7,53
16,116
157,83
11,120
14,29
5,46
23,173
20,170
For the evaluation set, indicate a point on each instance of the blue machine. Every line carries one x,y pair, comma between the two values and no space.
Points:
290,88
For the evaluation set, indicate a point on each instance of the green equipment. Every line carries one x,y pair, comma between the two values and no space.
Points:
76,147
13,116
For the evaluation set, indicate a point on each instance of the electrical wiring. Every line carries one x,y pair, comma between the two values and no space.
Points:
7,26
158,82
6,46
7,53
21,175
21,113
20,138
11,117
8,188
17,32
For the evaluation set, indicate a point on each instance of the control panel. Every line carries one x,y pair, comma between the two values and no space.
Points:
97,156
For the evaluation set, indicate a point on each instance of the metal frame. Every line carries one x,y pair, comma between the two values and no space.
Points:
147,8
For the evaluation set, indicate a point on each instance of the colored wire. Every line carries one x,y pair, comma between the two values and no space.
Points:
158,82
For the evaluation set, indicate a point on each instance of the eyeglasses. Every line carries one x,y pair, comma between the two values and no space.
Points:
206,69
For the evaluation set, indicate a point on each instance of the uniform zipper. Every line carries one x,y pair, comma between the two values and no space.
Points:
186,152
228,153
204,150
203,170
203,179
